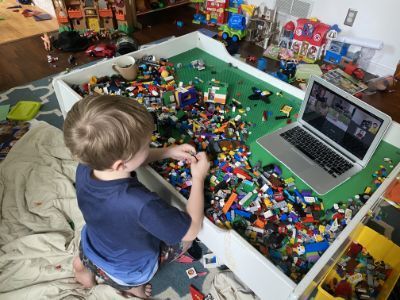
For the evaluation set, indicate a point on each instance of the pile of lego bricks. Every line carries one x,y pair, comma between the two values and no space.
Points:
358,275
288,226
155,78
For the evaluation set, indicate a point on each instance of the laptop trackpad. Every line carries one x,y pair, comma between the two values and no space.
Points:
299,161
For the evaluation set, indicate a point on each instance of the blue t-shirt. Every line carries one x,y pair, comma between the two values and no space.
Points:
125,224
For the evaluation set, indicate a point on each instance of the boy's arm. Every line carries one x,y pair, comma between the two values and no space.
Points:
195,209
181,152
195,204
156,154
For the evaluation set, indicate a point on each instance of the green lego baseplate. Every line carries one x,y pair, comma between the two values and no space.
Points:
240,87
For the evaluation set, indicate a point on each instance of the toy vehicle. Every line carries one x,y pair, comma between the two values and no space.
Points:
101,50
235,29
352,69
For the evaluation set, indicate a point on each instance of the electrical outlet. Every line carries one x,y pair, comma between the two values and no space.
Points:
350,17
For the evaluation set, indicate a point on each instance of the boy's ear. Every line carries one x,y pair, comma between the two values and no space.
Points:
118,165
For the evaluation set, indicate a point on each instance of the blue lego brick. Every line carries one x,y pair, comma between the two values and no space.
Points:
317,247
244,214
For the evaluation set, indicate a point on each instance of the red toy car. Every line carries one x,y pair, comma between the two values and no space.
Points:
101,50
251,59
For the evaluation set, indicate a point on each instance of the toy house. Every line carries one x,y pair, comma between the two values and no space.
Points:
215,11
91,14
262,27
285,40
124,15
94,15
309,39
61,13
185,96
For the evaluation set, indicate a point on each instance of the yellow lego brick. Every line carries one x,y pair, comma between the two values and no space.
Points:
228,225
267,202
289,180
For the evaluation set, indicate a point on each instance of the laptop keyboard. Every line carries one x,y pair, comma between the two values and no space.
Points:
329,160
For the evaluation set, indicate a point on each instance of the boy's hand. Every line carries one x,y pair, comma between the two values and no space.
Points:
200,166
182,152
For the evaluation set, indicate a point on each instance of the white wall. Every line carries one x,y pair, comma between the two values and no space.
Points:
376,19
46,5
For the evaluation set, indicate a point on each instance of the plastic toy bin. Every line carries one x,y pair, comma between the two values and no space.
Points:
381,249
254,269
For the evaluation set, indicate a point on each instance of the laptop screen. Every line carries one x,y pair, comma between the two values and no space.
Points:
349,125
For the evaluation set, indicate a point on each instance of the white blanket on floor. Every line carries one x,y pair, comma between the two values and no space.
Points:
40,221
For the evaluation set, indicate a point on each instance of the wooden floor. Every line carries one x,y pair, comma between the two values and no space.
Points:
26,58
15,26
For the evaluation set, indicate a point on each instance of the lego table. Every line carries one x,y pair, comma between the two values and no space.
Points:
260,274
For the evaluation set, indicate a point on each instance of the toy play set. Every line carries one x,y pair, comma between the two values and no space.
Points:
93,15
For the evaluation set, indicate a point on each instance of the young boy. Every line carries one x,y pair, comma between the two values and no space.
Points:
126,224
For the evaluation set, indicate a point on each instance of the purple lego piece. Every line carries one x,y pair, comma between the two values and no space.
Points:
306,193
277,170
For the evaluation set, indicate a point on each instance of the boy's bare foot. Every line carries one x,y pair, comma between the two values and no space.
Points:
143,291
83,275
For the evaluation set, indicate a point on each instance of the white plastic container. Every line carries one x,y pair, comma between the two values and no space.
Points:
263,277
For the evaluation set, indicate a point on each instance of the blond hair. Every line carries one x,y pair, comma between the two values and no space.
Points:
101,129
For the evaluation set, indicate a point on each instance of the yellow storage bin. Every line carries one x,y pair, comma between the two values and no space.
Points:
381,249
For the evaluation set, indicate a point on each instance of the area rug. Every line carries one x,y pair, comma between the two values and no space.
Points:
41,91
170,282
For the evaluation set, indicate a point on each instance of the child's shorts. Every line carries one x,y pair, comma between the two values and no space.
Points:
167,254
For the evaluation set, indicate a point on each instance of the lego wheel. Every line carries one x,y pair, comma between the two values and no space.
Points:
225,36
235,38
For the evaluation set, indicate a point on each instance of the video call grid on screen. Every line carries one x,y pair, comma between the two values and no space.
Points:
349,125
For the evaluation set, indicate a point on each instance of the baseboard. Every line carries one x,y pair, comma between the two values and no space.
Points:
379,69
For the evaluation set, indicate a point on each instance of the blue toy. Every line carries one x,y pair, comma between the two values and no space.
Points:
262,64
336,51
235,29
287,71
199,19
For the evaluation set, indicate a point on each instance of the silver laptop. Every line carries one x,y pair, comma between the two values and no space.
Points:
333,139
